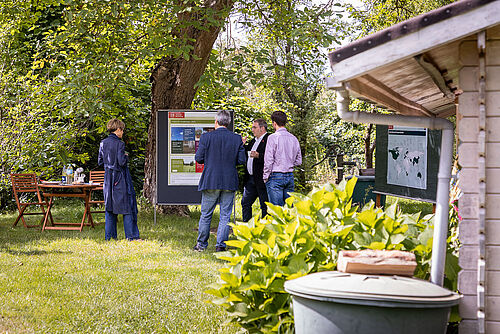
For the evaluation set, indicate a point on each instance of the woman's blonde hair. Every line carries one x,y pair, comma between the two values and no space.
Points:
114,125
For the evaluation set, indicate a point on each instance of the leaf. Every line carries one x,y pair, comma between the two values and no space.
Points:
237,243
239,309
367,218
304,207
261,248
349,187
229,278
297,264
291,228
452,268
271,241
231,259
426,237
377,245
255,315
242,230
363,239
397,238
317,196
389,224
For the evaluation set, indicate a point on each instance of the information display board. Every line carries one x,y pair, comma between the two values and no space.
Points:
178,136
407,162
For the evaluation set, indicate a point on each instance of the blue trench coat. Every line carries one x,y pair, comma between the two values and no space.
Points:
119,194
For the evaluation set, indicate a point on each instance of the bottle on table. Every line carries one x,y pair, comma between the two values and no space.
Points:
64,177
69,172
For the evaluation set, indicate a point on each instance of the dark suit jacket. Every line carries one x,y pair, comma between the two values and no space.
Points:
220,150
115,187
258,163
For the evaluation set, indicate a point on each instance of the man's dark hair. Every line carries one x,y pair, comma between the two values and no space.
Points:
279,117
262,122
223,118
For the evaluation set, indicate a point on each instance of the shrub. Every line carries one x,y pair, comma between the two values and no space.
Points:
305,236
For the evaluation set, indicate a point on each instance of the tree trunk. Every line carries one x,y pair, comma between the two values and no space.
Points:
369,148
173,83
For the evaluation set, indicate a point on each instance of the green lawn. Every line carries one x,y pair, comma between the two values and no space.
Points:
411,206
72,282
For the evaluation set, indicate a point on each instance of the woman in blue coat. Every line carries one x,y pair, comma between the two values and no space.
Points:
119,194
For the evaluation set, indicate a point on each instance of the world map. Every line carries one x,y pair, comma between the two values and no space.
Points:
407,159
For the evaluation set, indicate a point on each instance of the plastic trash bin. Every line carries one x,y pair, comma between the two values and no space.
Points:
343,303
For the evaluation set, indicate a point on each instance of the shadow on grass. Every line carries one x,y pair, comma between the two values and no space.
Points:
178,232
32,252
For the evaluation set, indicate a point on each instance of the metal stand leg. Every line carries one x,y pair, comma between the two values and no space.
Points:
234,209
154,209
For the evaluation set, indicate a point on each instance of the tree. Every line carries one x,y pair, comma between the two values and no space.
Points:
284,55
94,57
174,78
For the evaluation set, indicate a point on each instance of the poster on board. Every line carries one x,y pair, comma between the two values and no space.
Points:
407,162
178,133
185,129
407,158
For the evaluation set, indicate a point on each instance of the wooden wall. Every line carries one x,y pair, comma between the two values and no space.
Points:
469,204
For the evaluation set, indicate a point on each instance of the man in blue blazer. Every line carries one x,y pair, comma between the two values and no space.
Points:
220,151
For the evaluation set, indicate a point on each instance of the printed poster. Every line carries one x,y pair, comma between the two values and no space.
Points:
407,157
185,130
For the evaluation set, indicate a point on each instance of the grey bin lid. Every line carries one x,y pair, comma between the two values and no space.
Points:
375,290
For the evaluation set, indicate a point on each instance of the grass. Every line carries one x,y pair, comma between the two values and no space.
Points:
72,282
411,206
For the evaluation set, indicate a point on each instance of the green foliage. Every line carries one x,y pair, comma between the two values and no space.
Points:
279,65
305,236
376,15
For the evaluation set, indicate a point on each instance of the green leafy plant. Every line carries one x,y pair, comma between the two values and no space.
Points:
302,237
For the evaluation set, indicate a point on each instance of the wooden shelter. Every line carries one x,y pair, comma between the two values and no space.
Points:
442,63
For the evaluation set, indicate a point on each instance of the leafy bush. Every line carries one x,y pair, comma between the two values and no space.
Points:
305,236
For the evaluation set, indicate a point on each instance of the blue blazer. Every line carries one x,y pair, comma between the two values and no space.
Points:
220,150
117,187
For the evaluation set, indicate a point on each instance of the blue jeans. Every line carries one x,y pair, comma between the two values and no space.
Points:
278,186
131,229
209,199
250,194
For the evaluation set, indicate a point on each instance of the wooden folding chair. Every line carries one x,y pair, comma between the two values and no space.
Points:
24,184
96,177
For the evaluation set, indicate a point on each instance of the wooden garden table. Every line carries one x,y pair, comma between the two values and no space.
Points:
51,190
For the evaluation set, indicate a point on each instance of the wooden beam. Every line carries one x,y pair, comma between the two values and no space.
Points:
446,111
431,69
418,42
379,93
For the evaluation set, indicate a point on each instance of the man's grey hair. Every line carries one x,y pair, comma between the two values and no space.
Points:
261,122
223,118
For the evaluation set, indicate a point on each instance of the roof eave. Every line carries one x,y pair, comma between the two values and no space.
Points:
417,42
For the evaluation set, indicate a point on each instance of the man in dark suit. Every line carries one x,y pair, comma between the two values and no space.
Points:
220,151
254,184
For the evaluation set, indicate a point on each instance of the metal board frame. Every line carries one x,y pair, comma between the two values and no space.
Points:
166,194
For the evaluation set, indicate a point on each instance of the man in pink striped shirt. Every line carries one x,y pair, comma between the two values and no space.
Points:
282,155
